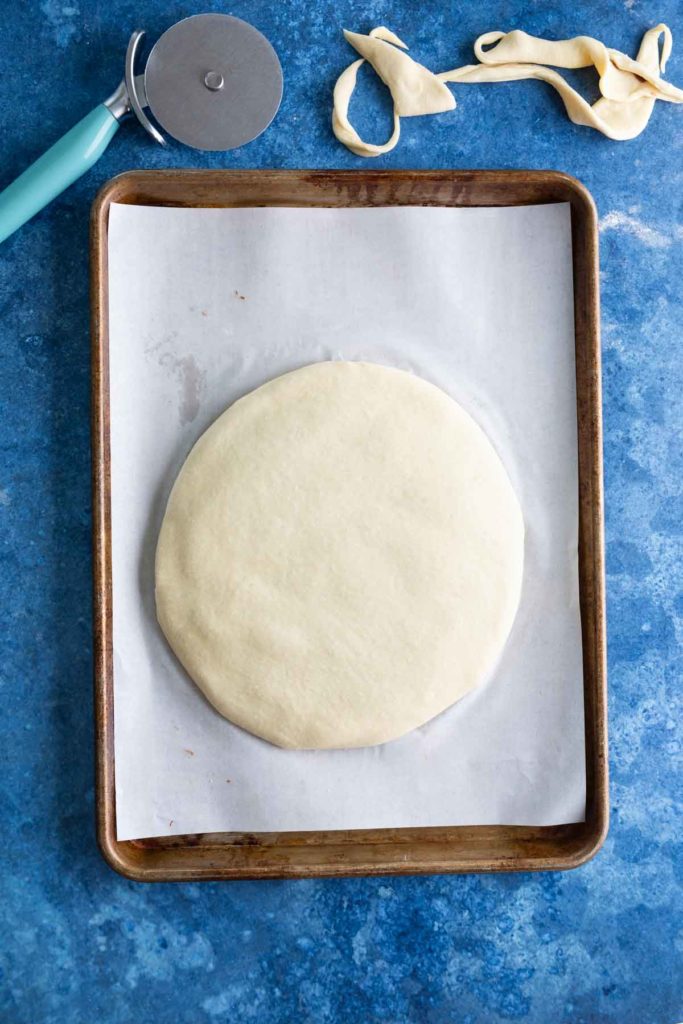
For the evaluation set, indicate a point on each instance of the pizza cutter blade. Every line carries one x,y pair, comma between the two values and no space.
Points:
211,81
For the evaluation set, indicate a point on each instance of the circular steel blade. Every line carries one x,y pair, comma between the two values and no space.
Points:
213,82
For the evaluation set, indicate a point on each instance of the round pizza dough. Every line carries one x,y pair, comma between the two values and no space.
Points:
341,557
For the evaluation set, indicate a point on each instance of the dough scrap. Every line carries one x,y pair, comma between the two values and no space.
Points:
341,557
629,88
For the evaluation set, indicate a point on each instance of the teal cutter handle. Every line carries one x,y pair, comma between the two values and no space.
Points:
67,160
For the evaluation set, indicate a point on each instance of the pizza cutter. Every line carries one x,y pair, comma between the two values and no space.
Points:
211,81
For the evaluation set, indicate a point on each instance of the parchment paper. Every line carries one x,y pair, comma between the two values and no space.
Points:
205,305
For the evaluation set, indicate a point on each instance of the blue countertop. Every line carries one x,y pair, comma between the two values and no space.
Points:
79,943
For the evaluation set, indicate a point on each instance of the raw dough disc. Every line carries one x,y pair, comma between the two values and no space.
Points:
341,557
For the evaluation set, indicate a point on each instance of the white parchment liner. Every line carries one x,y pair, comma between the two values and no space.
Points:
205,305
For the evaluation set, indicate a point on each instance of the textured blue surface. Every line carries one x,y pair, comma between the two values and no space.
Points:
78,943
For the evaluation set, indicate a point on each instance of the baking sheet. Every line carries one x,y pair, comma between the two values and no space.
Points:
206,305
